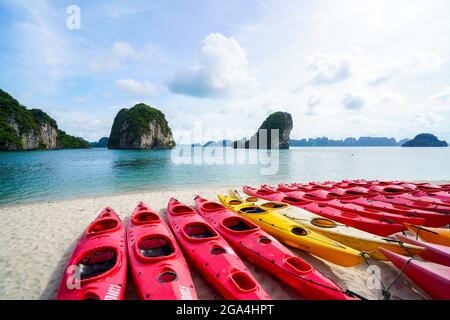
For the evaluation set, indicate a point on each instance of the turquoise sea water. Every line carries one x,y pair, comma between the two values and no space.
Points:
51,175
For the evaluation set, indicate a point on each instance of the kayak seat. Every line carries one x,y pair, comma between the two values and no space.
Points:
299,231
253,210
180,210
243,281
155,247
96,264
199,231
238,224
103,225
146,217
212,206
273,205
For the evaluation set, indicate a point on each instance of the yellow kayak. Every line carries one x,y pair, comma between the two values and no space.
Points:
351,237
433,235
294,234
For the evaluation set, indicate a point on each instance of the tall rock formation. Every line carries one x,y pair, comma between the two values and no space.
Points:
280,121
141,127
23,129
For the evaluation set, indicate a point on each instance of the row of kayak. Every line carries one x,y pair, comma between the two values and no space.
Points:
215,235
347,226
212,238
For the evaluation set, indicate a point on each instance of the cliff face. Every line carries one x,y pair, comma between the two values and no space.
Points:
281,121
141,127
425,140
23,129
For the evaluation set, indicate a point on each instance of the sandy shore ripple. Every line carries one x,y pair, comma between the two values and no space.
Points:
37,240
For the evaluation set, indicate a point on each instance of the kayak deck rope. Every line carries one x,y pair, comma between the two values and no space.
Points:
346,291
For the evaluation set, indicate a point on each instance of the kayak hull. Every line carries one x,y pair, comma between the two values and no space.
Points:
433,252
97,268
439,236
432,278
294,234
266,252
157,264
211,255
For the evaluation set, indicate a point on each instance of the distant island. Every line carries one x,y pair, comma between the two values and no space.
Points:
425,140
31,129
348,142
102,143
141,127
281,121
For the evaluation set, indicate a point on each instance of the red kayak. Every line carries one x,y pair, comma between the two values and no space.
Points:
97,268
377,227
420,205
432,278
157,264
388,204
388,189
433,252
324,197
429,187
374,213
211,255
251,242
426,200
441,195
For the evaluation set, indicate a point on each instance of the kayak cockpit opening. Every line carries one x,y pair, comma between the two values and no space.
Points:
145,217
182,210
167,276
101,226
251,199
252,210
235,202
264,240
289,199
212,206
217,250
237,224
323,223
298,265
155,246
199,230
274,205
96,263
299,231
243,281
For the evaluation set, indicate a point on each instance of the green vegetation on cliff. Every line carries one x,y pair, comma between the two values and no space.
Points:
66,141
16,122
132,124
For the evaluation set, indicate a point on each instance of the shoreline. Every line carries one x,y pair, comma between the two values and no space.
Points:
221,188
38,238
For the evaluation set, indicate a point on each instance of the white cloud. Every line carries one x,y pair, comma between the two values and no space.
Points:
409,65
442,97
355,99
119,53
328,69
223,70
134,87
313,101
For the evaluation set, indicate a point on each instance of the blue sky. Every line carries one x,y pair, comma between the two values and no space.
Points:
341,67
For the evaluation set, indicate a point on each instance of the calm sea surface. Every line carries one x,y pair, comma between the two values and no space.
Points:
52,175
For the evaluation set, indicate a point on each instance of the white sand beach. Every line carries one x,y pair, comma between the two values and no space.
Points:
37,240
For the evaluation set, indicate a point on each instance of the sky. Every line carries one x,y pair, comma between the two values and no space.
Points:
341,67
